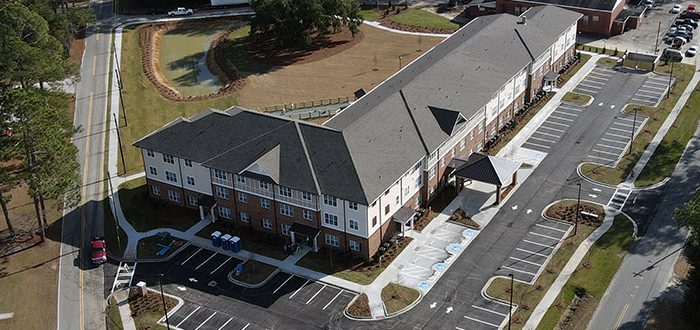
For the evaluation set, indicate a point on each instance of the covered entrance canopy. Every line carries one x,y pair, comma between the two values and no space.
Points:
310,233
488,169
206,205
550,80
404,216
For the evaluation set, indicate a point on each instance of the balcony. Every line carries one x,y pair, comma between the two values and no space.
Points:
254,189
310,204
222,182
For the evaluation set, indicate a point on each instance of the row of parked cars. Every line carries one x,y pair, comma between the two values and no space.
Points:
681,32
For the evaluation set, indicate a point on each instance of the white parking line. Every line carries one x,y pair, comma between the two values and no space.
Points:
190,257
565,107
458,328
519,271
490,311
536,145
223,325
319,291
545,236
549,227
525,261
561,118
246,326
591,81
655,87
330,302
531,252
611,147
552,129
555,136
655,94
540,244
585,90
205,261
625,125
205,321
223,263
545,140
483,322
565,113
617,129
555,123
188,316
617,135
643,102
299,289
614,141
597,159
590,87
658,82
645,97
283,283
606,152
625,119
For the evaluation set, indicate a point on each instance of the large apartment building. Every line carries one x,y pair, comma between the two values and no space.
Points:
353,182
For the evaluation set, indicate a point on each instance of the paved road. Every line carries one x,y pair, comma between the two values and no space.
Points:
647,269
80,294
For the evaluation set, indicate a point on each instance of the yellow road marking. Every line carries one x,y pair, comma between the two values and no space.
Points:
94,66
86,164
622,315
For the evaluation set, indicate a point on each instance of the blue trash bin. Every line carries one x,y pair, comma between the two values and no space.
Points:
235,244
216,239
225,241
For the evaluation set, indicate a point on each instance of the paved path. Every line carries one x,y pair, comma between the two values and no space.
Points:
382,27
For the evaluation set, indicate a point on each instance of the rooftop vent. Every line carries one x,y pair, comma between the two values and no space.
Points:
523,20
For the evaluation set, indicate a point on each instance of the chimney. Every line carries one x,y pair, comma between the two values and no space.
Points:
523,20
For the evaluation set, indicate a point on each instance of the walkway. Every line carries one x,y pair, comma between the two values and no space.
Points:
422,34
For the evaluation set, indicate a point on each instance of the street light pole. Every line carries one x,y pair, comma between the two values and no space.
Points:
162,296
670,79
634,123
114,214
510,306
578,208
119,140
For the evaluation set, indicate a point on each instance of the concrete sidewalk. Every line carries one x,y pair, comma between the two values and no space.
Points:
122,298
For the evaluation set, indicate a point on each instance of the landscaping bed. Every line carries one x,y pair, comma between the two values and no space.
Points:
461,217
251,240
576,98
254,272
360,308
397,297
145,214
417,20
149,247
443,198
147,310
566,211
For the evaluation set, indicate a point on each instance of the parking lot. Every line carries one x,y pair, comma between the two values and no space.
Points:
553,128
652,90
615,141
200,277
595,80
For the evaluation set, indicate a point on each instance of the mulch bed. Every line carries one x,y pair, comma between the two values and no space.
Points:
388,256
507,191
567,212
580,310
411,28
360,308
152,302
461,217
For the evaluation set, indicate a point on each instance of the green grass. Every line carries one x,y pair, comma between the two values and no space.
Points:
113,318
235,52
604,257
576,98
397,297
370,14
149,321
254,272
528,296
669,151
148,247
144,214
251,240
342,268
683,74
607,61
571,72
423,19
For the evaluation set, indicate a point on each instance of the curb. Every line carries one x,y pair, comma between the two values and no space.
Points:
355,318
405,309
590,101
589,180
248,285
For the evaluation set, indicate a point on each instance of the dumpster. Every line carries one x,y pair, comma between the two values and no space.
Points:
225,241
234,244
216,238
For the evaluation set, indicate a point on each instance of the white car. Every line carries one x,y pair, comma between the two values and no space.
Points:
692,51
676,9
180,11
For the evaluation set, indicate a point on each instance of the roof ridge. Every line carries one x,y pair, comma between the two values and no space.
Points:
246,142
308,157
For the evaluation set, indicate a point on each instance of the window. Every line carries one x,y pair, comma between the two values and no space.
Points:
596,18
471,135
442,162
387,209
155,190
417,167
265,203
264,185
419,181
462,144
240,179
174,196
374,222
398,199
354,245
330,219
225,212
219,174
168,159
192,200
431,173
242,197
287,210
330,200
221,192
353,224
266,223
352,206
190,180
188,163
306,196
419,200
307,214
406,191
285,191
171,176
481,127
332,240
150,153
453,152
285,229
244,216
153,170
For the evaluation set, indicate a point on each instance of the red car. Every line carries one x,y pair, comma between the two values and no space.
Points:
99,250
691,8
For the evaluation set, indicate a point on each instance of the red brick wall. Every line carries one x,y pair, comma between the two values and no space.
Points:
164,187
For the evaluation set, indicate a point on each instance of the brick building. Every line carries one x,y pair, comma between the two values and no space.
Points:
350,183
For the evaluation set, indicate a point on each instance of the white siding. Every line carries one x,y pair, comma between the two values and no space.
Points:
505,96
492,108
201,175
361,216
157,162
337,210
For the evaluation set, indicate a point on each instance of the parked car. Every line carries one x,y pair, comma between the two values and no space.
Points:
676,9
691,8
691,22
649,4
180,11
99,250
672,55
678,42
692,51
690,15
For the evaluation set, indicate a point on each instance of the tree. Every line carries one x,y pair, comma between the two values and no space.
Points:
6,180
689,217
296,22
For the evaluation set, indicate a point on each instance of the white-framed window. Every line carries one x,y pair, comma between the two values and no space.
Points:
152,170
150,153
417,166
462,144
192,200
285,229
406,191
431,173
308,215
330,219
354,245
174,196
285,191
171,176
419,200
482,125
387,209
240,179
306,196
471,135
266,223
352,206
168,159
219,174
353,224
265,203
264,185
188,163
330,200
242,197
287,210
398,200
332,240
596,18
155,190
225,212
221,192
419,181
244,217
453,152
190,180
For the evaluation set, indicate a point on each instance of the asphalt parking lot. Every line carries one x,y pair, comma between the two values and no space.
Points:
595,80
553,128
616,140
652,90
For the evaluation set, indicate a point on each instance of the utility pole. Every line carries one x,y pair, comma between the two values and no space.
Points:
510,306
670,79
634,123
114,214
119,83
162,296
578,208
119,140
656,45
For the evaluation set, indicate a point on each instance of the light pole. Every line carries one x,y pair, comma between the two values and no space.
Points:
578,208
114,214
119,141
162,296
670,79
634,123
510,306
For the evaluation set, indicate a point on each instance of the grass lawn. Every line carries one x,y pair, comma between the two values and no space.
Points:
254,272
144,214
424,19
370,14
613,176
113,318
148,247
397,297
669,151
607,61
251,240
528,296
576,98
603,260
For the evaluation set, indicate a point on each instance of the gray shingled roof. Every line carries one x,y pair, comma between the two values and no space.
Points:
607,5
488,169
